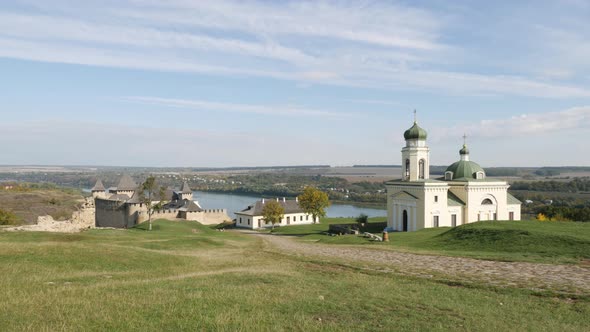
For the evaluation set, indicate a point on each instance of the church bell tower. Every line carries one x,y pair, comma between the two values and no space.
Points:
415,155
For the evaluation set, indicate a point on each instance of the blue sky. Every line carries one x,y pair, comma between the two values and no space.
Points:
233,83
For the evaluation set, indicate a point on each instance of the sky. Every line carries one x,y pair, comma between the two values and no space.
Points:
261,83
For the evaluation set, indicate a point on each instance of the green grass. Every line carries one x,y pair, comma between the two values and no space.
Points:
185,276
532,241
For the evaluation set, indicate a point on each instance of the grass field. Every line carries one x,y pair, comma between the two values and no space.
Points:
532,241
184,276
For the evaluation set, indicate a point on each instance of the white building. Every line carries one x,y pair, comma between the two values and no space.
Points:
462,196
251,217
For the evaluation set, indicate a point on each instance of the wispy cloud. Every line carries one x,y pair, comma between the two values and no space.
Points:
522,125
376,45
278,110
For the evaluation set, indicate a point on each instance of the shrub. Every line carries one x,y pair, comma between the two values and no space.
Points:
8,218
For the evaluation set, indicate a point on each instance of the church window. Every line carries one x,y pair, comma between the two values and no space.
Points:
436,199
307,217
421,168
487,201
240,220
435,221
448,175
479,175
407,168
453,220
248,221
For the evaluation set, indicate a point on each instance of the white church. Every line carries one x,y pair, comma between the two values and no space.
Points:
462,196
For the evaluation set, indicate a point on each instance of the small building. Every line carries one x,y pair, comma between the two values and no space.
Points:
251,217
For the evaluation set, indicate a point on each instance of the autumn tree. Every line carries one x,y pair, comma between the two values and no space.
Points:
313,201
150,193
273,212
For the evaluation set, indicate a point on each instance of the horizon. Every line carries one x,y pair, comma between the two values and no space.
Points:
167,83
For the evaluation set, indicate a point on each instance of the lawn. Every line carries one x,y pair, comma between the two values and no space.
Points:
532,241
185,276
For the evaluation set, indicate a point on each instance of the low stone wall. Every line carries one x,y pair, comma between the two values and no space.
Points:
209,217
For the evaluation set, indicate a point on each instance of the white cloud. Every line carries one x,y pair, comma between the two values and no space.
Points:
521,125
360,44
203,105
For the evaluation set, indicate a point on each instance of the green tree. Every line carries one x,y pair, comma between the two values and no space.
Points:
362,220
273,212
150,193
314,202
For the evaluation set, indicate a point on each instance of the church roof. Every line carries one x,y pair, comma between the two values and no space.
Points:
185,189
512,200
464,170
255,209
415,132
98,186
126,183
453,200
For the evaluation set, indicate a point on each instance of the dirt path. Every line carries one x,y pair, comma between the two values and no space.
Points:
561,278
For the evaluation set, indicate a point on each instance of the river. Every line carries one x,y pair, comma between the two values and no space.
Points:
234,203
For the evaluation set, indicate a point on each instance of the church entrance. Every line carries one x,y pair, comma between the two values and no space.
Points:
405,221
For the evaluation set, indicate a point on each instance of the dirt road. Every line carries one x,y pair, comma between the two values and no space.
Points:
561,278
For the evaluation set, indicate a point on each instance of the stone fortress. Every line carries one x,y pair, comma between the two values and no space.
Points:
121,206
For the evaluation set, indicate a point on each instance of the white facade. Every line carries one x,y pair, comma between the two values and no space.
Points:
463,196
252,218
255,222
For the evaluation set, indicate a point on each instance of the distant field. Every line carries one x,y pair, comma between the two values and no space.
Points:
187,277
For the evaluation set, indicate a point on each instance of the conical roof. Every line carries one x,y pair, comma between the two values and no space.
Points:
126,183
185,189
415,132
98,186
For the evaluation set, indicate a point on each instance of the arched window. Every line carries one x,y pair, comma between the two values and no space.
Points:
421,169
487,201
407,168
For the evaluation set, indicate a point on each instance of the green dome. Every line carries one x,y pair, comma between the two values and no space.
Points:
464,169
415,133
464,150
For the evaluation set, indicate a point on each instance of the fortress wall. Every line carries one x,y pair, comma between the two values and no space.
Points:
110,213
209,217
163,214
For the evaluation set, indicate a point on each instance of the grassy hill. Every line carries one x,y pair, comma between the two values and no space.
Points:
185,276
27,203
549,242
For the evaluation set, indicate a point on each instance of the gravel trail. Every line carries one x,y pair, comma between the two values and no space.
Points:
561,278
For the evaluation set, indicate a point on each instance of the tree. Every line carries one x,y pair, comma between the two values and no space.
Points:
273,212
314,202
362,220
148,194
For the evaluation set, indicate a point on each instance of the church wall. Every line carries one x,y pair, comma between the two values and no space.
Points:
436,204
414,208
476,193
